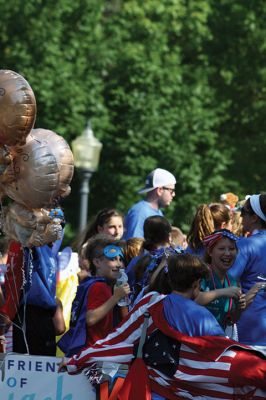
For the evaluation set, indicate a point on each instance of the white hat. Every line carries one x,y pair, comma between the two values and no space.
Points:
158,178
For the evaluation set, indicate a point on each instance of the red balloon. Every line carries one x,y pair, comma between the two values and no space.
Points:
17,108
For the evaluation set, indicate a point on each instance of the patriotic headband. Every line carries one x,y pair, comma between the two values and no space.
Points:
210,240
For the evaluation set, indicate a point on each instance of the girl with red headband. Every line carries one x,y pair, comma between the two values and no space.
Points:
221,251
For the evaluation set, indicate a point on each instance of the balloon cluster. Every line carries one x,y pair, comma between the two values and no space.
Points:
36,166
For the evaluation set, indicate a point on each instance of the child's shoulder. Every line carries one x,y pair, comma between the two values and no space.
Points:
99,286
99,283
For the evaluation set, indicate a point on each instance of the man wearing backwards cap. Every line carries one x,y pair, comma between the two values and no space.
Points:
160,191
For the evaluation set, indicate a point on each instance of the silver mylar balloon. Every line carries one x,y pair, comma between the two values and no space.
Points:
41,170
17,108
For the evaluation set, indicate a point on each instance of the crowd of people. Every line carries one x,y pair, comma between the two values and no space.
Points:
213,279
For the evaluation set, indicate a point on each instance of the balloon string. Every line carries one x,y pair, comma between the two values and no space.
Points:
15,301
19,327
2,215
22,326
29,269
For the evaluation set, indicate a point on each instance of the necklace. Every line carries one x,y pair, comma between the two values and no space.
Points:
227,280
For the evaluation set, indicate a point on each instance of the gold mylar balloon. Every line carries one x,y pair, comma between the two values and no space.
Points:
17,108
42,170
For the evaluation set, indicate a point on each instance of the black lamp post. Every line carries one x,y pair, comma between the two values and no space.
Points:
86,150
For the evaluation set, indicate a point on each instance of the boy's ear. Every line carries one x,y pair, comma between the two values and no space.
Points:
96,262
196,284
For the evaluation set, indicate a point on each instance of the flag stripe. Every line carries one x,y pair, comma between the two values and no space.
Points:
205,363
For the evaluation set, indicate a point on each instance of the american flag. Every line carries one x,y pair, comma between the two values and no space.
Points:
208,367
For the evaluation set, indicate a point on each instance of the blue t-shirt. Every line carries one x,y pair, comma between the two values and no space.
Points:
198,252
135,218
190,318
249,264
130,270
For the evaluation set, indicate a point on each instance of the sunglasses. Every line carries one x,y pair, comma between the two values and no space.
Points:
172,191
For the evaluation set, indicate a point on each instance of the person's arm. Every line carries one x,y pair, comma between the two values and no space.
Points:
251,294
2,298
95,315
205,298
58,319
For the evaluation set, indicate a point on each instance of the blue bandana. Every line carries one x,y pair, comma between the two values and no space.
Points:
157,258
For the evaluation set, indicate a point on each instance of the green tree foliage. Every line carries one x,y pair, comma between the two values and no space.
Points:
237,55
171,83
57,47
162,107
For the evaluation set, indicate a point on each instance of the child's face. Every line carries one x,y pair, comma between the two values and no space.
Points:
108,267
223,254
114,227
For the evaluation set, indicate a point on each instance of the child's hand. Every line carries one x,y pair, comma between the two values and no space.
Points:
242,303
62,365
232,291
251,294
121,291
2,344
257,287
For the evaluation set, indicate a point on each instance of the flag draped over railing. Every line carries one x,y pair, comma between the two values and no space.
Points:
209,367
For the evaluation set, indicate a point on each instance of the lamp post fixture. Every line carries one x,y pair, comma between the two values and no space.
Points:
86,151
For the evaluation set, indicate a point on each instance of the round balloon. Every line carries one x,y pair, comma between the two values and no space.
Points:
41,170
17,108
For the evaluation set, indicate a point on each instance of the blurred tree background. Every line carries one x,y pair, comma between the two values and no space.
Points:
176,84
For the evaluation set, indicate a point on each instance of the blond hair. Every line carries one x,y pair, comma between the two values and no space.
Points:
132,248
